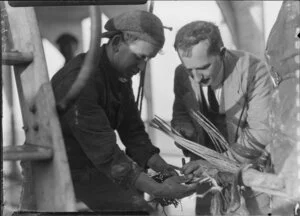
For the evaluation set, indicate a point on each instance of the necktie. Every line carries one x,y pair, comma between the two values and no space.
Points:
205,110
203,101
214,105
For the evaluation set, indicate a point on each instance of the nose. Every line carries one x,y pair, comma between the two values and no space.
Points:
136,72
197,73
142,64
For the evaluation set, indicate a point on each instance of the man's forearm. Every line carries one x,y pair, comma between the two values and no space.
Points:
157,163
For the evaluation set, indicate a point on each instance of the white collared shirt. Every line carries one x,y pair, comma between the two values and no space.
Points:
217,91
196,88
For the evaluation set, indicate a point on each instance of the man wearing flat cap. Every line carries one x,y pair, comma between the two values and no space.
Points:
104,177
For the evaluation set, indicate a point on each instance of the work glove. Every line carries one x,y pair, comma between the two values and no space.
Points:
174,187
160,165
188,132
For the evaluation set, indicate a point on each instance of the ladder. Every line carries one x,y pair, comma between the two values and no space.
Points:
47,184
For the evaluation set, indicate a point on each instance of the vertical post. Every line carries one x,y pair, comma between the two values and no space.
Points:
148,89
250,26
149,101
11,178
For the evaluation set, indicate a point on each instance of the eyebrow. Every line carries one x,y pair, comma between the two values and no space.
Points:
204,66
141,55
201,68
198,68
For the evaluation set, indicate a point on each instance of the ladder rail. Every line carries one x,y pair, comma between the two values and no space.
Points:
16,58
47,184
27,152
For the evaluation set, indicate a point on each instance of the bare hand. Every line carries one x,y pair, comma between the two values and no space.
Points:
197,168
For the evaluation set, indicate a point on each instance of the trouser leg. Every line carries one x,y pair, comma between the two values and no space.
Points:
203,204
257,203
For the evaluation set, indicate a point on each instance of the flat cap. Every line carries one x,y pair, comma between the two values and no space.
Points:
144,25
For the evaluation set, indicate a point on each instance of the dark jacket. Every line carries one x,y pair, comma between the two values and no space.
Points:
89,125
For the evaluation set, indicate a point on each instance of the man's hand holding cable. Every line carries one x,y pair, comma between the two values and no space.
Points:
172,187
197,168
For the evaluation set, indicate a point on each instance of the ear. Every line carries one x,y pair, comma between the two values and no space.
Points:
222,51
116,42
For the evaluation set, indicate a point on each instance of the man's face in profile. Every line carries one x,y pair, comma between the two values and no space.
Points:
204,68
131,58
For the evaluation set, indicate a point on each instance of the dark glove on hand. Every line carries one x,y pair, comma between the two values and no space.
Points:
188,133
185,130
173,187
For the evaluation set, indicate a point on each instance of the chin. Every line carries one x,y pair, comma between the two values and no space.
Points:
123,80
206,83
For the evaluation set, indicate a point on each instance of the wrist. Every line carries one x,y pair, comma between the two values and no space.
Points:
157,163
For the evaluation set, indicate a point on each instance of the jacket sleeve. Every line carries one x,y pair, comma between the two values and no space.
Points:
255,133
181,121
132,132
87,122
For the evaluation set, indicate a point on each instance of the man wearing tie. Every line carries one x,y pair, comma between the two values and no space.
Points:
231,88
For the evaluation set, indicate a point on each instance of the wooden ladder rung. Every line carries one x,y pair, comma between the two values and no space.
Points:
27,152
16,58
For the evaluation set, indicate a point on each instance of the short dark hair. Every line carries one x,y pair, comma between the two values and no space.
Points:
194,32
